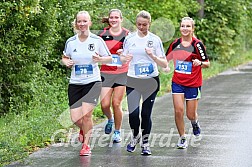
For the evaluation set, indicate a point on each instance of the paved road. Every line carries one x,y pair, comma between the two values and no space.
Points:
225,115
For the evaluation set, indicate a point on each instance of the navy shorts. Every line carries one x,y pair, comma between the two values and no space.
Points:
88,93
190,93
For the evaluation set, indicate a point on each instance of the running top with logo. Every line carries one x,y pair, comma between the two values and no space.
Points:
142,65
184,72
85,70
114,43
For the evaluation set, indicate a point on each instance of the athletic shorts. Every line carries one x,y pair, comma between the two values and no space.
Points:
144,85
190,93
88,93
113,80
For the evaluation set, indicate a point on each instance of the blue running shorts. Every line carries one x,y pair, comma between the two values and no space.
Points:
190,93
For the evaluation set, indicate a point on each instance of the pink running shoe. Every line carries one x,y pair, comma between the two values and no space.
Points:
85,151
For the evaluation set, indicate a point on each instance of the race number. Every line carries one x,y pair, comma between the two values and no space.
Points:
184,67
144,69
115,60
83,70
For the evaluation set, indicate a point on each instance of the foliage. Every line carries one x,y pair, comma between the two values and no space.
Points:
168,12
28,36
24,132
224,28
247,31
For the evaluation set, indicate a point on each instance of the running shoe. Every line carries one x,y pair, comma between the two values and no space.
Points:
196,128
182,143
131,147
81,137
146,149
108,127
116,137
85,151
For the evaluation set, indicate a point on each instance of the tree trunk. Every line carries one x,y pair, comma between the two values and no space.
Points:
201,11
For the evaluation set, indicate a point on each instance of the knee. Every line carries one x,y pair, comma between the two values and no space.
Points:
105,104
73,118
76,117
76,121
179,112
134,115
116,104
87,118
146,117
191,116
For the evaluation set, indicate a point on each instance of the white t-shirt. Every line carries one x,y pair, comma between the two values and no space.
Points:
142,65
85,70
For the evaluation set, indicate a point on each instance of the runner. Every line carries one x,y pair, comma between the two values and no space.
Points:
189,57
114,75
144,51
82,53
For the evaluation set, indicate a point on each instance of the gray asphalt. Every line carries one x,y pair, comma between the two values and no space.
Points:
225,115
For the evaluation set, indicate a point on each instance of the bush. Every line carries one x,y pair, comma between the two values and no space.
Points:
28,37
223,28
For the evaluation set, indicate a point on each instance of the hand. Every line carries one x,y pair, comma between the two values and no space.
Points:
126,59
149,51
167,69
196,62
96,57
69,63
119,51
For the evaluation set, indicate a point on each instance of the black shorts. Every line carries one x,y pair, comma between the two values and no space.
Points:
113,80
88,93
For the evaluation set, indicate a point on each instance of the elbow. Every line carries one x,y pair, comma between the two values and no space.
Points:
208,65
165,65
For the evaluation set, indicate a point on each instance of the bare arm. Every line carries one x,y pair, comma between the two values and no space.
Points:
67,61
203,64
161,61
106,59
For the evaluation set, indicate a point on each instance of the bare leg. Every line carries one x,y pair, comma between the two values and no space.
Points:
191,109
76,116
106,94
87,121
118,95
178,102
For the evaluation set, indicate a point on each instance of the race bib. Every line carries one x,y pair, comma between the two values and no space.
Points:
184,67
115,60
83,70
144,69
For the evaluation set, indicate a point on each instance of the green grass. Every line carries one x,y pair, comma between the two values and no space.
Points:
23,133
216,67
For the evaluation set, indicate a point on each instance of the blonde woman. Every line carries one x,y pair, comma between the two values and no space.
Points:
189,57
144,52
82,53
